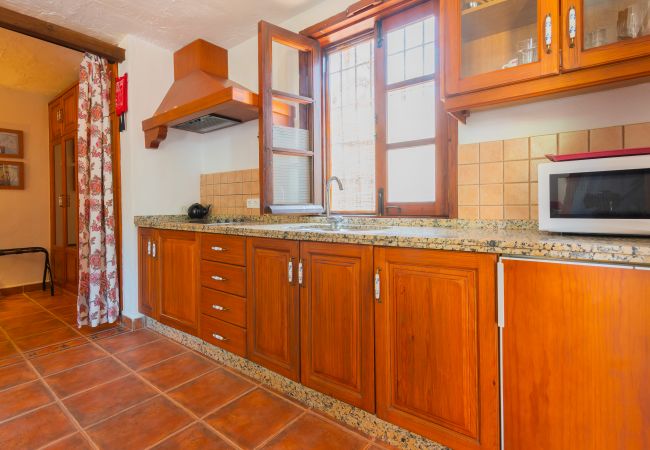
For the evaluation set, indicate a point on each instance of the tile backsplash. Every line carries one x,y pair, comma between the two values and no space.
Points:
228,192
498,179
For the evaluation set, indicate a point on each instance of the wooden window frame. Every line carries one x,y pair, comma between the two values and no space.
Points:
375,19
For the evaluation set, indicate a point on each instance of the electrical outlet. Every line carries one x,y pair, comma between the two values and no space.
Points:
253,203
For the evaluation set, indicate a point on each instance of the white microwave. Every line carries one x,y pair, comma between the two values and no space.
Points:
596,196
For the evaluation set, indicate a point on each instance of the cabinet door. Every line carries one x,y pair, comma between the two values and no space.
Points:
179,280
575,356
599,32
272,310
436,345
69,105
56,119
336,322
148,272
499,42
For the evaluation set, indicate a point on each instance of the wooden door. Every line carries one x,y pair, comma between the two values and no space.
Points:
148,278
337,322
436,345
575,357
592,36
273,305
69,106
499,42
179,255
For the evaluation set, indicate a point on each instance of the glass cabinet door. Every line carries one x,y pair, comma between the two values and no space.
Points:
58,194
71,190
496,42
603,31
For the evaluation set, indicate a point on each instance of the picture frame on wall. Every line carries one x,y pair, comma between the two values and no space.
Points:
11,143
12,175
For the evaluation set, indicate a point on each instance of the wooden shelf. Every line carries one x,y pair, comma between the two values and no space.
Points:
497,16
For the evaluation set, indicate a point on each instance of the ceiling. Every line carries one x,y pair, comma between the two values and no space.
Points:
168,23
32,65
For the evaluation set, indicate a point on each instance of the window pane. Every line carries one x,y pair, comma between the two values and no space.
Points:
410,174
291,125
411,51
411,113
286,68
352,128
292,179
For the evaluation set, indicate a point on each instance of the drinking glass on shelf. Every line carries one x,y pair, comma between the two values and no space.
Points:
526,51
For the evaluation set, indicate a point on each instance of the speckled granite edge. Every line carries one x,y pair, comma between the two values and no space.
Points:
504,241
348,414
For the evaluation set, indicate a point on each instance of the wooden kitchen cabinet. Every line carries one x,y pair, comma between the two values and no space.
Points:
337,322
169,277
273,305
436,345
575,356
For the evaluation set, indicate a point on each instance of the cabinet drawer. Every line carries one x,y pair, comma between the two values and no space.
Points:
226,307
223,334
224,277
223,248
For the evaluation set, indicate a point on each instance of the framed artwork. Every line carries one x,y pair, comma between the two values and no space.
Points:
11,143
12,175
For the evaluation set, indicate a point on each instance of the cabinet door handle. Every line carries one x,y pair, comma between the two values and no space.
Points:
290,271
548,33
300,274
219,308
377,286
573,26
153,249
217,278
218,337
149,248
216,248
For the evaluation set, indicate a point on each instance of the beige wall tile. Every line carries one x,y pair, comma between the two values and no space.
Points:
204,179
573,142
533,193
533,167
468,212
256,175
209,190
239,176
534,212
468,174
516,212
491,173
491,212
514,149
468,195
491,151
541,146
468,154
515,194
610,138
515,171
491,194
637,135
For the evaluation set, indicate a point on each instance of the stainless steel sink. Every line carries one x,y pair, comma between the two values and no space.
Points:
342,228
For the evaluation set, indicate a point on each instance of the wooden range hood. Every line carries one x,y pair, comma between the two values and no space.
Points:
201,89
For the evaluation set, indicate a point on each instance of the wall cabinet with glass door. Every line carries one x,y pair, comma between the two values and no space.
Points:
64,194
498,51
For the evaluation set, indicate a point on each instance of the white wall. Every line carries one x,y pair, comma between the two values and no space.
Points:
25,214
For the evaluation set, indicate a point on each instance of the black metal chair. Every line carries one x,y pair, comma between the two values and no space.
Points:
47,269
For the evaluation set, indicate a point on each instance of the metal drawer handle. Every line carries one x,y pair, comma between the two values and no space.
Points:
149,248
216,248
219,308
218,337
217,278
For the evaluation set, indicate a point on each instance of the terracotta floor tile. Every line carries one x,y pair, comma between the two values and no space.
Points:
23,398
10,360
177,370
87,330
44,326
314,433
55,348
150,354
253,418
74,442
89,407
111,332
47,338
141,426
11,312
84,377
56,301
21,322
207,393
196,437
7,349
126,341
67,359
16,374
35,429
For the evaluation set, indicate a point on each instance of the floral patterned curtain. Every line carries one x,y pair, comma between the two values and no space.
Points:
98,294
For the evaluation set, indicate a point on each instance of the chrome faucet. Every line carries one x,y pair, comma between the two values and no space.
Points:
334,221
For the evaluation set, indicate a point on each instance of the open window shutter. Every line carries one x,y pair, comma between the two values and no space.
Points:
291,165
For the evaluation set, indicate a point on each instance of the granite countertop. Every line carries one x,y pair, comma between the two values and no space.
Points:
508,238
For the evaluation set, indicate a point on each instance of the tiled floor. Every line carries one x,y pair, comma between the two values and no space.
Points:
108,388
